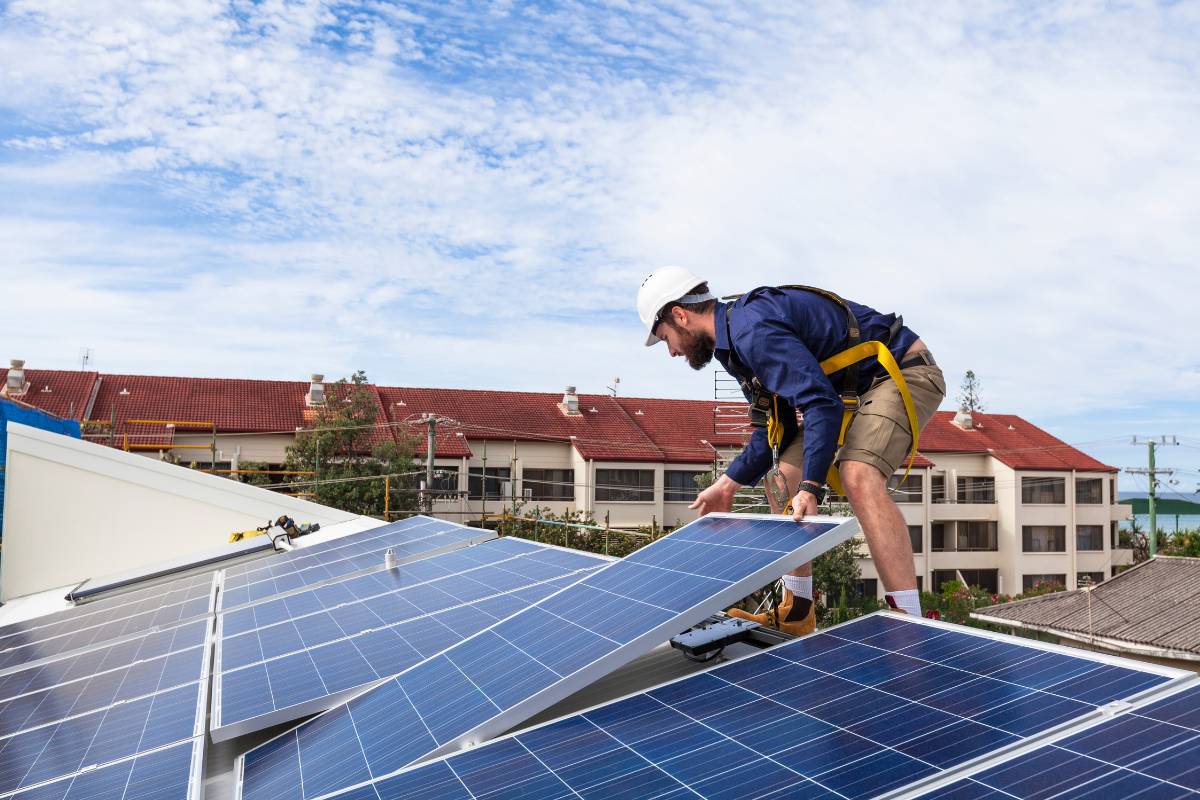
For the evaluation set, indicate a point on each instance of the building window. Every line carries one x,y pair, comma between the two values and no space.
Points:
1112,490
963,536
986,579
625,485
1089,537
1088,578
866,587
1031,582
1089,491
548,484
976,536
1114,535
937,488
973,489
937,537
1044,538
914,536
1043,491
679,485
907,490
496,477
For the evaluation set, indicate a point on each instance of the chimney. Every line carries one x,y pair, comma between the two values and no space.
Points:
316,391
962,418
16,385
570,403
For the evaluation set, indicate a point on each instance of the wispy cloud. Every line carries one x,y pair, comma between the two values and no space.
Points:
468,194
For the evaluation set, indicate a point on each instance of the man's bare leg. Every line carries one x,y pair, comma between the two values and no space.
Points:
792,474
882,524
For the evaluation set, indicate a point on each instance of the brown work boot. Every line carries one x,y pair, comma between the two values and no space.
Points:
794,623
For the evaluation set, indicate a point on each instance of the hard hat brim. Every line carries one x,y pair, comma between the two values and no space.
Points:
652,340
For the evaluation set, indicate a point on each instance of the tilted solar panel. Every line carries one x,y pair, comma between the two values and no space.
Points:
493,680
314,649
306,567
39,644
175,772
1148,752
195,588
862,710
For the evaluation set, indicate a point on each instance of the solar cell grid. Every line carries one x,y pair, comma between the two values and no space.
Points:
307,567
114,656
184,590
171,773
858,711
514,669
1148,752
290,668
32,647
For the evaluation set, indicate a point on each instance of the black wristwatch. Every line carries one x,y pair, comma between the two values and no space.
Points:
815,489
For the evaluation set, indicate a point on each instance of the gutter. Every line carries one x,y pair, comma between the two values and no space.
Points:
1108,643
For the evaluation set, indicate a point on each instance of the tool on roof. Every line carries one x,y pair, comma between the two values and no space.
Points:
288,530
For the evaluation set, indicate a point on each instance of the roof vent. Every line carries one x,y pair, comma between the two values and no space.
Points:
316,391
401,403
124,392
46,389
963,420
593,410
640,413
16,385
570,403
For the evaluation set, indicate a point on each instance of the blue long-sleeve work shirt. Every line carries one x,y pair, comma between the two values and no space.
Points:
781,336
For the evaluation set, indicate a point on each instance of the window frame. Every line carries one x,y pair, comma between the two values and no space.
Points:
1027,534
611,488
673,494
1031,490
560,488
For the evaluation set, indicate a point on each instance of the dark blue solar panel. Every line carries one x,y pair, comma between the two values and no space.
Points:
816,717
128,604
694,571
328,561
112,733
114,656
1150,752
102,689
161,775
35,645
314,675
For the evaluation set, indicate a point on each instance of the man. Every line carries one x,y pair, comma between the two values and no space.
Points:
779,336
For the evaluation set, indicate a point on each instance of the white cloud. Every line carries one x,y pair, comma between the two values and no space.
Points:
450,196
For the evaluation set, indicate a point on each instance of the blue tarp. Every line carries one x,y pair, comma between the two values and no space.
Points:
34,418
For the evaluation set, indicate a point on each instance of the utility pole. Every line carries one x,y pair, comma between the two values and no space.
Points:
1152,474
430,420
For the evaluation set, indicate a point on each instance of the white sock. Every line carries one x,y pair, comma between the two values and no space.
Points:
908,601
801,587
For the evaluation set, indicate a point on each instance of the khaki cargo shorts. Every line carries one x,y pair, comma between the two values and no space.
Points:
879,432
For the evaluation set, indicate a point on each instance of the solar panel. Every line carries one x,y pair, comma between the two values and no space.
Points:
494,679
54,741
286,658
306,567
43,642
864,709
146,647
170,773
1152,751
184,590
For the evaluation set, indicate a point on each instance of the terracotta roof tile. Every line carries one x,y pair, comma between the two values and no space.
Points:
1010,439
63,393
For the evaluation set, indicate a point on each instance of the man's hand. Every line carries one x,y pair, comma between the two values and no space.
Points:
804,504
718,497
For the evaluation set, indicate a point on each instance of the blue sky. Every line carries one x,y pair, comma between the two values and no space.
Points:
468,194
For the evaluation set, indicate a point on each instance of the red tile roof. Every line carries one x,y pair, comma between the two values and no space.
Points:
1010,439
63,393
607,429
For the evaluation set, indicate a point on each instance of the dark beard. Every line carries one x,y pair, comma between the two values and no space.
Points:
697,348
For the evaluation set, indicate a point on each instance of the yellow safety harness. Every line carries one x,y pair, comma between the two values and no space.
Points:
849,360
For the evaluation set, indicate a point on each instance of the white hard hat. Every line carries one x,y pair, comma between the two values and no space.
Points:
666,285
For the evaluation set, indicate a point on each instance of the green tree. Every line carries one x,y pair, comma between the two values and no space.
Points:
968,394
346,448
